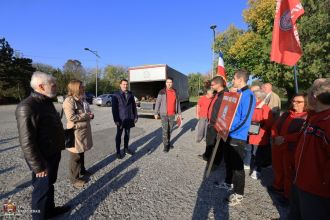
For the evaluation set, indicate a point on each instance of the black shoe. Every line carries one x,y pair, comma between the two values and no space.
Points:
203,157
59,210
128,151
119,156
171,146
166,149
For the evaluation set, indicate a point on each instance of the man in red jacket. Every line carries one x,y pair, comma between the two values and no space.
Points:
311,189
167,106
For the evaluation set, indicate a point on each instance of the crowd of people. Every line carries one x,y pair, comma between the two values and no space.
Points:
295,143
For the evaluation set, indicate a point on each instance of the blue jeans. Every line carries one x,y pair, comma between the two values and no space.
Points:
43,189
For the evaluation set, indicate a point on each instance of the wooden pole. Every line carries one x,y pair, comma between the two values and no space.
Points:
210,163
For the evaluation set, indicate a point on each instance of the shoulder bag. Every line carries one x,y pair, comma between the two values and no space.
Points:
69,138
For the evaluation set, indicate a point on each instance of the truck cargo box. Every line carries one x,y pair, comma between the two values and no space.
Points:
146,81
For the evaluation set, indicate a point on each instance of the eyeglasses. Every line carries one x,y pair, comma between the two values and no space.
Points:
298,102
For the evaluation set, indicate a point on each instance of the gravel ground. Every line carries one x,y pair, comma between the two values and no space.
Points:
148,185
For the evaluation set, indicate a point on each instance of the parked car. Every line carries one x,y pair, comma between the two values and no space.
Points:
89,97
103,100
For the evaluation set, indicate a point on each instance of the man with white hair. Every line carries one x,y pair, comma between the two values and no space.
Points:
272,100
41,136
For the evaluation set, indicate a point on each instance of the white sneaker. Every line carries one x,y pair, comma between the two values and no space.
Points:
235,199
226,186
255,175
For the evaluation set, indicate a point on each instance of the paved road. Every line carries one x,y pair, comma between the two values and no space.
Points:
104,132
149,185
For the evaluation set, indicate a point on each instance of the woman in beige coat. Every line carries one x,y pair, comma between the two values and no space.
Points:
78,117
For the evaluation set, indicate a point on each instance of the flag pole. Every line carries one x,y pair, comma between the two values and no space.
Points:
296,79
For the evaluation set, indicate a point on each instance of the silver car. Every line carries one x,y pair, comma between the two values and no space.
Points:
103,100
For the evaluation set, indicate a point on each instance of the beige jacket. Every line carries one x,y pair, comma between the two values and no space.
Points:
77,117
274,103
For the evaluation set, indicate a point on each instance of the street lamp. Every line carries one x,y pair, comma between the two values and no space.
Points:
213,27
97,66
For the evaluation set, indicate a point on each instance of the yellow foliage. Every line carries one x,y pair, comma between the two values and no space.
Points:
245,45
260,15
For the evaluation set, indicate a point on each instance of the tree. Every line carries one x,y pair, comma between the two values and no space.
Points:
15,73
75,69
196,82
62,80
113,74
314,29
251,49
224,42
44,68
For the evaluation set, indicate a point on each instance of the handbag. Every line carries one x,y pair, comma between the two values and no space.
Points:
69,138
254,128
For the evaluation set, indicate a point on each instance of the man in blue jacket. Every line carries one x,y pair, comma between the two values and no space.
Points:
237,139
125,116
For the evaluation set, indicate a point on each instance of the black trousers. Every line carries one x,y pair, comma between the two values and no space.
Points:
118,137
260,157
77,166
211,140
234,156
306,206
43,189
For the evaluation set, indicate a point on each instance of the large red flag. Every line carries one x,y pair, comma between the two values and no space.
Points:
286,47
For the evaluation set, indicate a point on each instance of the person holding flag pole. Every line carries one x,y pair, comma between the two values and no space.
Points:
218,85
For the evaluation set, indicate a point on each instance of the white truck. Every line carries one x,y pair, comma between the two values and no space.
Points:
146,81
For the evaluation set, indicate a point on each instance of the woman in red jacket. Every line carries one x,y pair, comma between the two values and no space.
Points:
259,137
310,197
285,134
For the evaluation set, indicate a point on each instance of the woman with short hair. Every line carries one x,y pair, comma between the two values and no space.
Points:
285,135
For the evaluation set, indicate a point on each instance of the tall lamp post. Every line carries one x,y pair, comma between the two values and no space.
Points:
213,27
97,66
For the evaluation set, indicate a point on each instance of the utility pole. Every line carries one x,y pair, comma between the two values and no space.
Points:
213,27
97,66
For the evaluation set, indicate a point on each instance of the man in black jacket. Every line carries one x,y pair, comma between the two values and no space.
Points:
218,84
41,136
125,116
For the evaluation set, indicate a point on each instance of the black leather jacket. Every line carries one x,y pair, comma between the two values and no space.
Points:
40,130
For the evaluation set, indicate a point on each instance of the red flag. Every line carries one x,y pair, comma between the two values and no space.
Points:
286,47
